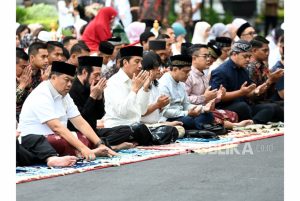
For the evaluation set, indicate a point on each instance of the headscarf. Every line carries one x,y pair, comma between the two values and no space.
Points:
99,29
217,30
198,36
134,30
178,29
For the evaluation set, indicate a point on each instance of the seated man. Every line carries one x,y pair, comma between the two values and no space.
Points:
23,79
55,51
151,63
232,75
279,86
80,49
198,89
259,73
87,93
46,111
179,109
106,50
127,93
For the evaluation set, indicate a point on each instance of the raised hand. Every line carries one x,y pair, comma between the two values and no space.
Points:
96,89
162,101
275,76
221,93
194,111
46,72
261,89
210,94
247,89
147,81
26,77
210,106
138,80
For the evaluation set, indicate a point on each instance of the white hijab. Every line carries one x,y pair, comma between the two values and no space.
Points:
199,33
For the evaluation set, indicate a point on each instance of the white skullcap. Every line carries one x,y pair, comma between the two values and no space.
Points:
45,36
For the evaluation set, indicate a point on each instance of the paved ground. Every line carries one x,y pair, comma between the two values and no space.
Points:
254,171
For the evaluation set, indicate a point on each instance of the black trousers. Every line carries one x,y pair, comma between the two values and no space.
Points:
260,113
116,135
34,149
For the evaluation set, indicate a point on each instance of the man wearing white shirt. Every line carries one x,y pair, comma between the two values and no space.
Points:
46,111
127,95
127,92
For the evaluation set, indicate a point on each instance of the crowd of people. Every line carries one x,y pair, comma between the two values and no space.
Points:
111,83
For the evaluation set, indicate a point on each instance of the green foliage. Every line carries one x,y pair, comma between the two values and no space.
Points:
21,14
211,16
38,13
228,18
66,32
172,15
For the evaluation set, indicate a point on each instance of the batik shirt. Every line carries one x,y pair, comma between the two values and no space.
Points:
258,73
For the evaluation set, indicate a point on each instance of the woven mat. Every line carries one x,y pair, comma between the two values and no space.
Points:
32,173
142,153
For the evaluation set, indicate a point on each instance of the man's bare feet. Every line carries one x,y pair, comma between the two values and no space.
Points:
63,161
244,123
124,145
103,150
100,151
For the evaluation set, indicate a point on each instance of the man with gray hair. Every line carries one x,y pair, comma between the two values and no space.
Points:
232,74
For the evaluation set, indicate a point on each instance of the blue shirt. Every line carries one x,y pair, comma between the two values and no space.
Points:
280,83
231,77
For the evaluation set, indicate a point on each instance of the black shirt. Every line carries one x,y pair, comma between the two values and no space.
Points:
89,108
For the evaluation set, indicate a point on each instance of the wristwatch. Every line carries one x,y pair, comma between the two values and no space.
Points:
99,143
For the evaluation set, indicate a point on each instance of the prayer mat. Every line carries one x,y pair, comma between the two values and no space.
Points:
141,153
236,136
37,172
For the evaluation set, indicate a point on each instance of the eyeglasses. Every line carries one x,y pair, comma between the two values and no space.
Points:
206,56
250,33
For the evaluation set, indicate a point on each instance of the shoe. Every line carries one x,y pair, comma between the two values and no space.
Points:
141,134
201,134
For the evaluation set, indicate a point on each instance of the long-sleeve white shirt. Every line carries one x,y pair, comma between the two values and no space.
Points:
155,116
122,105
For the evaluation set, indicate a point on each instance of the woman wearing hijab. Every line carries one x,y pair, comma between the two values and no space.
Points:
201,33
180,33
134,30
218,30
99,29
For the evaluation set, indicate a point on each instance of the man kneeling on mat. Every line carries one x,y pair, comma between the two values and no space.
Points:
45,113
